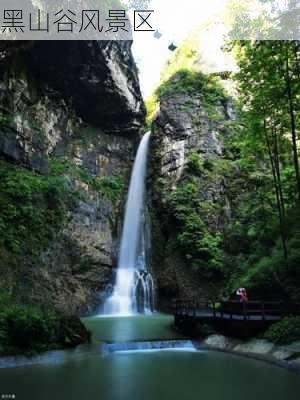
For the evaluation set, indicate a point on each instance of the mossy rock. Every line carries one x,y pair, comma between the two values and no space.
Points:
28,330
72,332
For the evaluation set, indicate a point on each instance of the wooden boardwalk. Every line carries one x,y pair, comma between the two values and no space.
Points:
253,310
232,317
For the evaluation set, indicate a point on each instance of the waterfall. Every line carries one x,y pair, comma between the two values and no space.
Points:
134,288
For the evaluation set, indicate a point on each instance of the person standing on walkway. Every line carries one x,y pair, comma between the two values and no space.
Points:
242,293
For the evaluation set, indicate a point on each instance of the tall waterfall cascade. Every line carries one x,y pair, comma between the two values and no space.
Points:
134,287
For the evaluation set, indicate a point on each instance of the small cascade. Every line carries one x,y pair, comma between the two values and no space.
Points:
184,345
134,288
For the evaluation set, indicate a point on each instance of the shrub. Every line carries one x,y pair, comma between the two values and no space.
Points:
195,164
193,235
29,330
111,187
205,330
285,331
193,83
29,327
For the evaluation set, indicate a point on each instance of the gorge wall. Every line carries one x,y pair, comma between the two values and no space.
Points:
190,200
70,119
213,211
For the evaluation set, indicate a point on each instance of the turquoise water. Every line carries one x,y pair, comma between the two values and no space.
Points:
122,329
87,373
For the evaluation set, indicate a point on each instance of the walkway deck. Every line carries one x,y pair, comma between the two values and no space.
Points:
232,317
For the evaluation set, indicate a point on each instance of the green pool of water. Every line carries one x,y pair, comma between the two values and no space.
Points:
122,329
88,373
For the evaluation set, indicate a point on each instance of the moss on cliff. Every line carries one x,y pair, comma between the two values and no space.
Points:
194,84
198,240
33,208
111,187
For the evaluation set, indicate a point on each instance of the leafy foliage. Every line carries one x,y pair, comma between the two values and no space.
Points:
257,245
111,187
180,76
193,233
35,208
32,208
29,330
285,331
195,164
192,82
205,330
269,169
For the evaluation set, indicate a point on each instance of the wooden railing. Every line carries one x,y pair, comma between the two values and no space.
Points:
230,309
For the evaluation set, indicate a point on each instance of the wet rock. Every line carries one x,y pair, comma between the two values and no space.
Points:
72,332
218,342
282,354
297,361
255,346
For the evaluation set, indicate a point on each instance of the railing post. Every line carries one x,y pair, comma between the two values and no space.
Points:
281,311
244,310
263,311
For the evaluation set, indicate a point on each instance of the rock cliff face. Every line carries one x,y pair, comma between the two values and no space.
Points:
187,151
76,104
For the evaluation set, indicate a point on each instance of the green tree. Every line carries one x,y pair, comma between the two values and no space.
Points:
269,96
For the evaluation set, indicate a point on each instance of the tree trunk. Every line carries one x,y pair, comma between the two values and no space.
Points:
293,122
280,206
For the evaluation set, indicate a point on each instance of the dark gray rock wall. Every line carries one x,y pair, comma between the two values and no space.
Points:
79,101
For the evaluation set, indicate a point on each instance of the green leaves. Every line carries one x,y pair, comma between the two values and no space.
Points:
285,331
193,83
268,87
193,234
195,164
29,330
111,187
186,80
32,208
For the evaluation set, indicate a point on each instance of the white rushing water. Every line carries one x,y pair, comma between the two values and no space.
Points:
134,289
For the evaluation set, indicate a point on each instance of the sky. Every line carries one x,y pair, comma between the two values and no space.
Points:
174,19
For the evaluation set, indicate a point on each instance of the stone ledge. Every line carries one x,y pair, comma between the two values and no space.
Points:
258,349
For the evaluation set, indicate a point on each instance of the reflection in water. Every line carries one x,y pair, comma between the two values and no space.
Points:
135,328
101,371
167,375
143,371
